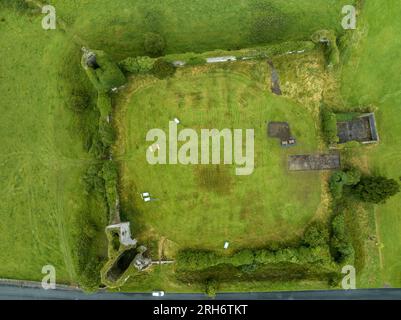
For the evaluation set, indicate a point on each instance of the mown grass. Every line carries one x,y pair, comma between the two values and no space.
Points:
197,25
371,77
43,156
202,206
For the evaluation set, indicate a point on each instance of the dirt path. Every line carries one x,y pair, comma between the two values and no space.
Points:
275,79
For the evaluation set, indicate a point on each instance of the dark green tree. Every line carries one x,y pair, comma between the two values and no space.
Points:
376,189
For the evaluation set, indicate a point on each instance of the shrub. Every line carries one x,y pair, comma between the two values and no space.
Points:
163,69
353,176
340,242
110,176
93,180
211,287
138,65
97,149
107,133
154,44
316,235
329,125
350,149
242,257
104,104
194,61
376,189
337,181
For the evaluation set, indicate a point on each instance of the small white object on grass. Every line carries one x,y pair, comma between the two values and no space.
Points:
147,199
177,121
145,194
226,244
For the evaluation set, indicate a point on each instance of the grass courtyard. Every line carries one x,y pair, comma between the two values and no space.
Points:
204,205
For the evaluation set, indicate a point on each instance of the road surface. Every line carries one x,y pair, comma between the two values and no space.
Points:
22,293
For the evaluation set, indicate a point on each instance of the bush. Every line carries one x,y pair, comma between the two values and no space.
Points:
329,125
376,189
163,69
93,179
104,104
194,61
110,176
154,44
336,184
340,242
211,287
353,176
350,150
138,65
242,257
107,133
97,149
316,235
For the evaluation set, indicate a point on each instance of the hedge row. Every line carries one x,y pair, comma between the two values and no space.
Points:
340,244
329,125
314,249
192,260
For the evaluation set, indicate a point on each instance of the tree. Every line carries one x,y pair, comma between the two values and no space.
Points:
376,189
163,69
154,44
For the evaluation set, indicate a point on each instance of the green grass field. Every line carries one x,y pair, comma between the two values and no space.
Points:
371,77
42,159
196,25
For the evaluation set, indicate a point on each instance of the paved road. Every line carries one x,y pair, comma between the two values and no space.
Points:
13,292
